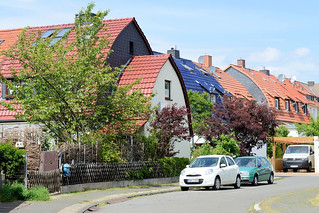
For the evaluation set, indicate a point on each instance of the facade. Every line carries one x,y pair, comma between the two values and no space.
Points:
283,94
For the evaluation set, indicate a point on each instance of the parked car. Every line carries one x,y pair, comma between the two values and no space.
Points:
298,157
254,169
210,171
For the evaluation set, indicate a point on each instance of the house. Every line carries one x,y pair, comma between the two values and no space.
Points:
160,76
280,93
127,40
230,84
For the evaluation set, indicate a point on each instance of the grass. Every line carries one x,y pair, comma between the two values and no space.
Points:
17,192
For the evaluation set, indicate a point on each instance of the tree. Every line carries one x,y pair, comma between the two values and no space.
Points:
281,131
169,126
201,107
311,129
251,123
11,159
226,145
68,86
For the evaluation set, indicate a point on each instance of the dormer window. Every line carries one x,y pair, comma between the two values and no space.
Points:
131,48
287,105
277,104
304,108
296,106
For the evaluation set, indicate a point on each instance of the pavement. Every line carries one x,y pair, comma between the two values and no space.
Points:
306,201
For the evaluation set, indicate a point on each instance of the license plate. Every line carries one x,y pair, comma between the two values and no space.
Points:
192,181
293,166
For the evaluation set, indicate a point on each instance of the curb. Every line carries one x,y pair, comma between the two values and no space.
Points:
83,207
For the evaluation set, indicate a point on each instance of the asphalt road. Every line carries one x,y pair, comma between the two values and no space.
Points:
226,199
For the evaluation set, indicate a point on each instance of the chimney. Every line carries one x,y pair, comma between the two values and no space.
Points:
241,63
208,61
267,72
174,52
311,83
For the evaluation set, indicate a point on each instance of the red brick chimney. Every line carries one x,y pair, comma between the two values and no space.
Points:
208,61
241,63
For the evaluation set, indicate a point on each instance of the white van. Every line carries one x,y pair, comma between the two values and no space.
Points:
298,157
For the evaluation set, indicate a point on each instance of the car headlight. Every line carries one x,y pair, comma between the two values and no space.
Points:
183,172
209,171
244,173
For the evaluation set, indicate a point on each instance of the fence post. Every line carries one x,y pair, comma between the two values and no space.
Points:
26,171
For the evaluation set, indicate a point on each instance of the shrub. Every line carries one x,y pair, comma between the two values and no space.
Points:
16,191
12,192
37,193
173,166
11,159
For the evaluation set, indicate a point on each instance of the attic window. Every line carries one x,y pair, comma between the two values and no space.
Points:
48,33
277,104
131,51
1,41
296,106
304,108
287,105
60,34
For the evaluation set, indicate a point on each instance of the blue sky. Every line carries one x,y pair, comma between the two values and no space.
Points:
280,35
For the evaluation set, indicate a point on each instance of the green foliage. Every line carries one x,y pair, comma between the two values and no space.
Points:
37,193
173,166
150,147
71,85
311,129
12,192
201,107
16,191
226,145
11,159
205,149
281,131
110,151
143,173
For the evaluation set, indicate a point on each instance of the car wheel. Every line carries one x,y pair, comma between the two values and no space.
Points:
271,179
255,181
285,170
217,183
184,188
237,183
309,167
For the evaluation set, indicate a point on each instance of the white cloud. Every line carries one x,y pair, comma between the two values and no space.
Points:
300,52
268,55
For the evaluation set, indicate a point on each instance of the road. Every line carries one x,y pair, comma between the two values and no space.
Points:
225,200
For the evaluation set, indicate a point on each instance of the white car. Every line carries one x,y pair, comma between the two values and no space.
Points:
210,171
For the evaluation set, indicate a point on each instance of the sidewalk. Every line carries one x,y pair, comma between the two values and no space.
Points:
79,202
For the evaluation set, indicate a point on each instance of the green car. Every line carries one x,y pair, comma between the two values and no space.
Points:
254,169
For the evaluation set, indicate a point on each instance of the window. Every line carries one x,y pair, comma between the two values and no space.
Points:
212,97
304,108
60,34
167,90
230,161
296,106
287,105
131,51
6,93
1,41
48,33
223,161
277,104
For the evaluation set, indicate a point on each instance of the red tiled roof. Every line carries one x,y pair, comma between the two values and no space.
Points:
114,28
146,68
272,88
229,83
10,37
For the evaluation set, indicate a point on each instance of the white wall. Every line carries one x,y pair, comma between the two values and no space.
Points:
168,73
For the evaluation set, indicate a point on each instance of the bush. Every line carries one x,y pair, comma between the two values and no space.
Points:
11,159
173,166
12,192
16,191
37,193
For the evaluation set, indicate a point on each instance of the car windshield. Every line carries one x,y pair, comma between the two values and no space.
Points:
246,162
297,149
204,162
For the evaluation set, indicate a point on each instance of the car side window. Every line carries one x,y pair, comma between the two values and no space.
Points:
230,161
259,162
223,161
265,161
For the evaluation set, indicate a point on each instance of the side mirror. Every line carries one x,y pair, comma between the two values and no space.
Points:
312,152
259,165
222,165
